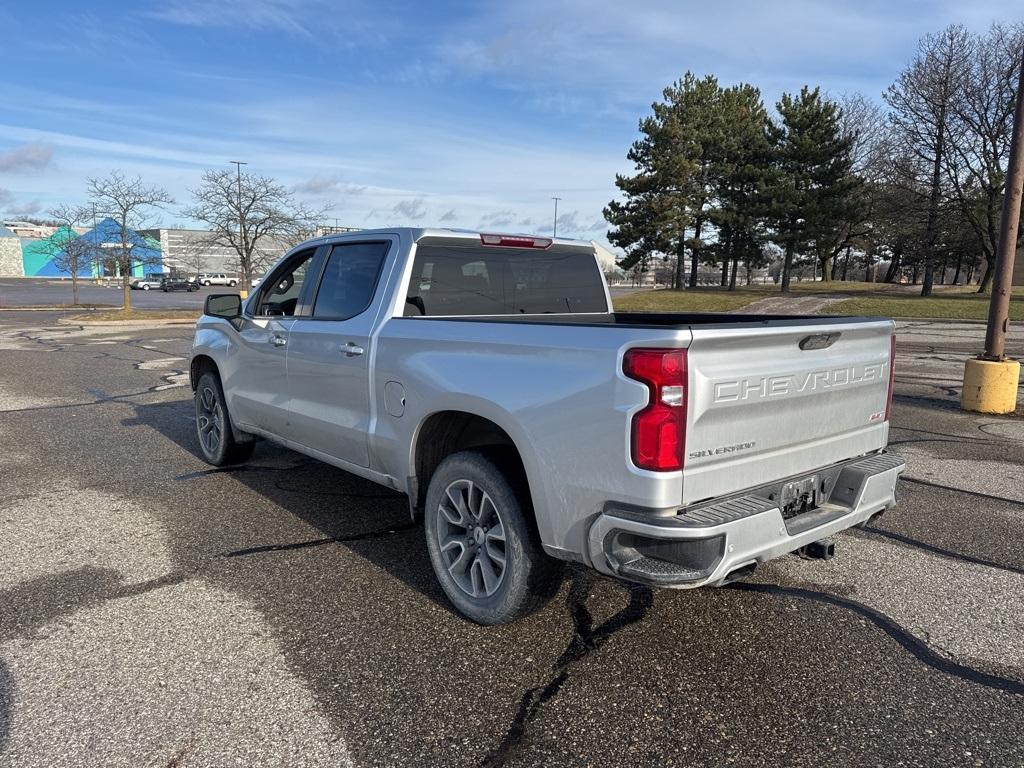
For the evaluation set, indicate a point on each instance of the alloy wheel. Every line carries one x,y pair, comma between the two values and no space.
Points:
210,417
471,537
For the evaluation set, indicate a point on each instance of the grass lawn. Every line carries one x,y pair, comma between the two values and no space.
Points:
951,306
700,300
961,302
140,314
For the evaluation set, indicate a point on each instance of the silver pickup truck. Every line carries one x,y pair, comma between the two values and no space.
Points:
487,377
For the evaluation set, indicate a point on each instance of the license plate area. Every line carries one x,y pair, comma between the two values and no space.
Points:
799,496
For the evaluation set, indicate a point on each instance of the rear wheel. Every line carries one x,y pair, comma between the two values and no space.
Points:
213,427
145,287
482,545
233,283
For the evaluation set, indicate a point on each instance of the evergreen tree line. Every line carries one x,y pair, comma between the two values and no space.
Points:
907,190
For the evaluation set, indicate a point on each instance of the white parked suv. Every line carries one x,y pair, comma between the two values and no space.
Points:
217,278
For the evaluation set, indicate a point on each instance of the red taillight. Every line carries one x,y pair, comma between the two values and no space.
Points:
516,241
659,430
892,376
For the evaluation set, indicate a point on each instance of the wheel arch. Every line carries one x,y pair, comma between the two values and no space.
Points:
445,432
201,364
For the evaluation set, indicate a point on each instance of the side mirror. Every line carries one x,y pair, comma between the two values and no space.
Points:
225,305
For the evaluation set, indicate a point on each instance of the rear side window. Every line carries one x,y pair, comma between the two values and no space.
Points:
349,280
449,280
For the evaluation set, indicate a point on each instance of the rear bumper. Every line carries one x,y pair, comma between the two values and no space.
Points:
708,543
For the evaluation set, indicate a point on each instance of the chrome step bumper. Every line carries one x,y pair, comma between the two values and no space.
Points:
703,545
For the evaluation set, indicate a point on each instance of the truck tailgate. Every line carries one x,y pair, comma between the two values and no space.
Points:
782,397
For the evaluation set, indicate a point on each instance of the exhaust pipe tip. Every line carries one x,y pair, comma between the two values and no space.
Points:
822,549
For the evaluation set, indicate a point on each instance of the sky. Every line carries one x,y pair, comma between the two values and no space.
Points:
407,113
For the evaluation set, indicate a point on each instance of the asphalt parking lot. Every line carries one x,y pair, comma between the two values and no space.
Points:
155,611
38,293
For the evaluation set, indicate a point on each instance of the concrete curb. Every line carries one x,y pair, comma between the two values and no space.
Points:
59,309
122,323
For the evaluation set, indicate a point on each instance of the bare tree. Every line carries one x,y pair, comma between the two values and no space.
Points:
71,253
923,101
250,215
195,255
983,115
128,202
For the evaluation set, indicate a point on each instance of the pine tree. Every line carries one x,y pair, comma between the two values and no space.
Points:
671,191
811,183
740,176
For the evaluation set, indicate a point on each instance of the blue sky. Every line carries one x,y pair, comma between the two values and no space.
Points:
444,113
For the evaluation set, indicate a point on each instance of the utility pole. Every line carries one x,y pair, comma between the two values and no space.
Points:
96,259
554,226
241,225
990,381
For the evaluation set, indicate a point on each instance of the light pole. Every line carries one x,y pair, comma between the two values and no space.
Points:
990,380
554,225
241,226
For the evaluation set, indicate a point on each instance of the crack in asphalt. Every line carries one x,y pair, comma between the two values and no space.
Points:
239,468
918,544
913,645
585,640
979,494
281,485
377,534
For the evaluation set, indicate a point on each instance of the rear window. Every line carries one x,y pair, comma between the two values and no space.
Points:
448,280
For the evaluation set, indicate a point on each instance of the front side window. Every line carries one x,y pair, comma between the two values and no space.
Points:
281,297
349,280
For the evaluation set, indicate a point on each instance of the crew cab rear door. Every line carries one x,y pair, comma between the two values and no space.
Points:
775,398
329,354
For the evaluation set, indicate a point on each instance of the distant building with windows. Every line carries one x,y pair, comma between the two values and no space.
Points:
191,251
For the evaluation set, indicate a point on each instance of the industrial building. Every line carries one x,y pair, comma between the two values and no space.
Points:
190,251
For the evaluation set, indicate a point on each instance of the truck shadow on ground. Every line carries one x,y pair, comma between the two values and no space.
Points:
407,681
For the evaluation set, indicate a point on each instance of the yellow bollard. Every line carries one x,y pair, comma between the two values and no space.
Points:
990,386
244,294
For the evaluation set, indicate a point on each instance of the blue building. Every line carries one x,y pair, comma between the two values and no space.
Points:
40,257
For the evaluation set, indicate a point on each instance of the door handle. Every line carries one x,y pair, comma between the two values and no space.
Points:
278,341
352,349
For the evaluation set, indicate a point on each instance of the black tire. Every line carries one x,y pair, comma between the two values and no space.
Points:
209,402
528,576
145,287
233,283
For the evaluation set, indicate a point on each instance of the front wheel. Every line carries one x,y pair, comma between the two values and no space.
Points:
482,545
213,427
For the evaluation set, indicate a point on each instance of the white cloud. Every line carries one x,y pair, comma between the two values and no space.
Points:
321,186
278,15
414,209
33,156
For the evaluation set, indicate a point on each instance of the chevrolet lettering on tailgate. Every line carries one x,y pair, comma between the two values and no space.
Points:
763,387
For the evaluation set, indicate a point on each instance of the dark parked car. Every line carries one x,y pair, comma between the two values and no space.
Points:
178,284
